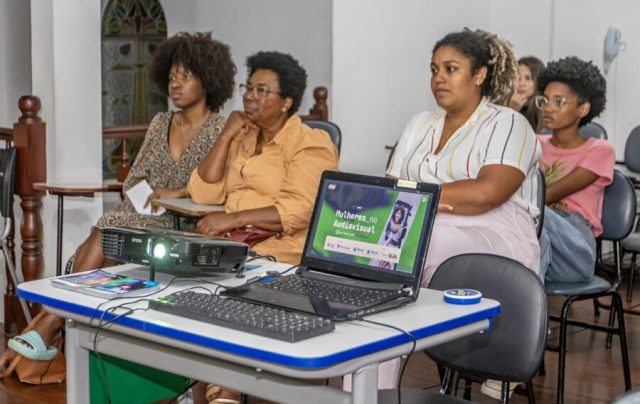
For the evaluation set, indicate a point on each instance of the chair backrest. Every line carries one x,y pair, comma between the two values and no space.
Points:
513,347
618,208
542,193
331,128
632,150
593,129
7,179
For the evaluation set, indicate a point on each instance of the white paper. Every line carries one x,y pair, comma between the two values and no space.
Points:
138,195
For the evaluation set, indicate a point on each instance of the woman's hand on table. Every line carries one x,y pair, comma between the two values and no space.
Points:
164,193
215,223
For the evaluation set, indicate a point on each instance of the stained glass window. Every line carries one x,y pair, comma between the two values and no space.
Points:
131,30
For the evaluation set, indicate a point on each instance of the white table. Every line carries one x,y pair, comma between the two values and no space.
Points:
260,366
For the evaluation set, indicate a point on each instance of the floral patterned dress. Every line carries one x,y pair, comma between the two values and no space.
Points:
154,163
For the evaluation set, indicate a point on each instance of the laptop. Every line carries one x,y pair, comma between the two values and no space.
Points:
365,250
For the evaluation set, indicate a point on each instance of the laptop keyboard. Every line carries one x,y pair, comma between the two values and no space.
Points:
335,292
253,318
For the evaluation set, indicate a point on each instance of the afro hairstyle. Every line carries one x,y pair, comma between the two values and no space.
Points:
208,59
583,78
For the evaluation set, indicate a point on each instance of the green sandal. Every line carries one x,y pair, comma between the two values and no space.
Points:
32,346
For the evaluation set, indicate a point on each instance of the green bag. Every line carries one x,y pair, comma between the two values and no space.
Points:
132,383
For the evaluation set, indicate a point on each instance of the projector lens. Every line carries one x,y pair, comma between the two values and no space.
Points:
159,251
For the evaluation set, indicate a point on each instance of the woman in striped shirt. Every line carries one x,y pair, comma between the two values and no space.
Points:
484,155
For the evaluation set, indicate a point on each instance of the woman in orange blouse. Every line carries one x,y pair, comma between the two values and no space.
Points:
266,165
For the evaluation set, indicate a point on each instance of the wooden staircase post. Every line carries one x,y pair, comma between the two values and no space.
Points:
29,137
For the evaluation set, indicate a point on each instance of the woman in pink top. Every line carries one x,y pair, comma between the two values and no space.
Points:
576,169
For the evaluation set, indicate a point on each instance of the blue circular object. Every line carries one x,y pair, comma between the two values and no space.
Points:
462,296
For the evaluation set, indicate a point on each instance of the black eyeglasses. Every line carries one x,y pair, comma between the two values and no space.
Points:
258,91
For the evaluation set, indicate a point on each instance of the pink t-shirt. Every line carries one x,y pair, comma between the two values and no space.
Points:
595,155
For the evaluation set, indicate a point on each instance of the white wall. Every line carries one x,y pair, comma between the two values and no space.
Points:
66,76
381,56
299,27
526,24
554,29
15,58
582,35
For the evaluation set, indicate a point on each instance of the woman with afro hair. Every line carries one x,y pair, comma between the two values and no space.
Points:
197,73
576,169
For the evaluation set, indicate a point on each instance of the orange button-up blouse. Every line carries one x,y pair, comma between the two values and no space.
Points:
285,175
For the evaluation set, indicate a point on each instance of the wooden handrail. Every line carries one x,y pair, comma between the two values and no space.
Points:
6,134
125,133
319,111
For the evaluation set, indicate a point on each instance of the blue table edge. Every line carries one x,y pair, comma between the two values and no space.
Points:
259,354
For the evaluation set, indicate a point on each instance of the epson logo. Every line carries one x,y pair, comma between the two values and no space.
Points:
136,240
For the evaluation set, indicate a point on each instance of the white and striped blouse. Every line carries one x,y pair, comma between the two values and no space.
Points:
492,135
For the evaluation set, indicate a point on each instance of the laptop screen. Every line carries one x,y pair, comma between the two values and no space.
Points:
370,227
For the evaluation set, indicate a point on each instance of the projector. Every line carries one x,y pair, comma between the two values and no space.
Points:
189,254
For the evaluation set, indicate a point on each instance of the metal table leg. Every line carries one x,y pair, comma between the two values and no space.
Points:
365,385
59,244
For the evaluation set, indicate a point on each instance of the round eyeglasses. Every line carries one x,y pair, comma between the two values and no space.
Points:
557,101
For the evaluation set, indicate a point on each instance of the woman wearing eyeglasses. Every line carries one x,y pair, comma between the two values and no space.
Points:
265,167
576,169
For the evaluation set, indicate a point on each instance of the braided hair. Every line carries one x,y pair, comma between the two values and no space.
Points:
484,49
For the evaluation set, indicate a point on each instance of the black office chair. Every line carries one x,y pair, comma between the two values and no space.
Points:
618,215
632,150
511,350
632,243
331,128
593,129
7,179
